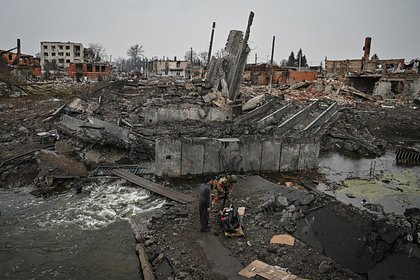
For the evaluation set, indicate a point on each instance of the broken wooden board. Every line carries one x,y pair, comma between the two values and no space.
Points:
146,267
267,272
238,233
148,185
285,239
289,184
55,113
241,211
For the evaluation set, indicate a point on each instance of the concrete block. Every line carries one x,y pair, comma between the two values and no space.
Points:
114,130
289,160
212,157
192,158
251,156
229,154
168,157
270,158
308,156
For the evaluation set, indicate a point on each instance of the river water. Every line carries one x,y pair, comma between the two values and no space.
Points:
73,236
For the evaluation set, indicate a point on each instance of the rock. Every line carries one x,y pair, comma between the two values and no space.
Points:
23,129
272,249
183,274
374,207
281,201
149,242
253,102
325,266
307,199
158,259
182,214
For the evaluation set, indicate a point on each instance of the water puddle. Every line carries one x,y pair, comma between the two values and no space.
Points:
362,181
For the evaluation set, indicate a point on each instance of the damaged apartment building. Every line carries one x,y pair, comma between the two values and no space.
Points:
69,59
383,78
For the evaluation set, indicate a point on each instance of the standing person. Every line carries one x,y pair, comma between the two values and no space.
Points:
204,206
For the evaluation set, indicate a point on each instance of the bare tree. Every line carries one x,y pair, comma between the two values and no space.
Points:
95,52
203,56
135,52
221,53
283,62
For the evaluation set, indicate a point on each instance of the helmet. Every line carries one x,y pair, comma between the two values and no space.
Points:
233,178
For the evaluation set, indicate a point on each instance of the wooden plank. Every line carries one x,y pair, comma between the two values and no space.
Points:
55,113
153,187
267,272
253,268
174,195
146,267
283,239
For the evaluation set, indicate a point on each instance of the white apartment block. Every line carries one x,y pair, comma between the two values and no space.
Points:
63,53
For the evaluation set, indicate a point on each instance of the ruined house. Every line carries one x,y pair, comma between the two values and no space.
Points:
93,71
259,74
385,78
23,65
168,68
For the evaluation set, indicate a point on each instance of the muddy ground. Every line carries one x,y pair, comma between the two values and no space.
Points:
177,248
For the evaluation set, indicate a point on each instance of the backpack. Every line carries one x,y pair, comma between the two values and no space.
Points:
230,220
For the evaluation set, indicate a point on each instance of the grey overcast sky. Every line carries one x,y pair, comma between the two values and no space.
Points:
332,28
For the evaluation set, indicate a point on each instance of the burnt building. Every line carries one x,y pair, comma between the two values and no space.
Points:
93,71
385,78
23,65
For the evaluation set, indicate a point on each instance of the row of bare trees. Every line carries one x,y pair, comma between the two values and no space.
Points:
136,59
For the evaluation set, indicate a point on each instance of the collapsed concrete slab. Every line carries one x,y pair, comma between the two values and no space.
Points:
97,130
53,165
78,105
184,112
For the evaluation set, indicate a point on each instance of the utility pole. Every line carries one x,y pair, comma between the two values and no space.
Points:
325,65
271,61
191,64
256,57
211,43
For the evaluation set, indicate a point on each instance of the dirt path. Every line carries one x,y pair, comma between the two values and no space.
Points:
223,263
